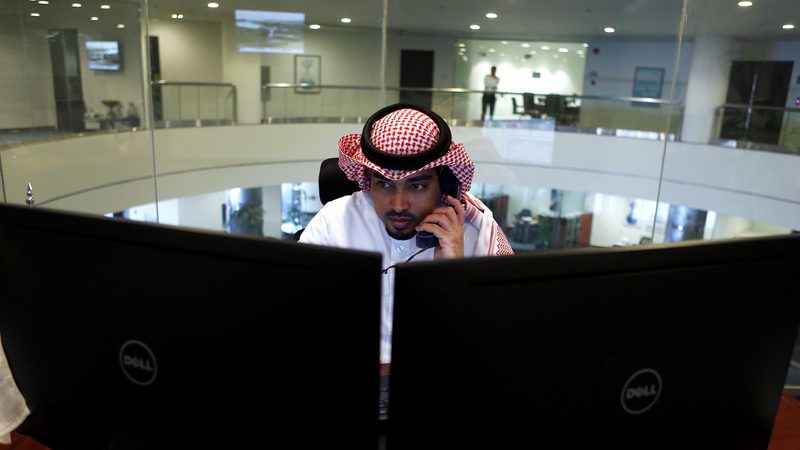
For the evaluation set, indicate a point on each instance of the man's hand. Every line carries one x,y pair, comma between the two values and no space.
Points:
447,224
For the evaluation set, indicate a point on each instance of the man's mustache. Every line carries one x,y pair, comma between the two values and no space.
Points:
400,215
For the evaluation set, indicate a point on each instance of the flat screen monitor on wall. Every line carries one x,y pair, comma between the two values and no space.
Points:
667,346
104,55
161,337
269,31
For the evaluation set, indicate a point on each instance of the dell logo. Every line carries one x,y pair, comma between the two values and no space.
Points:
641,391
138,362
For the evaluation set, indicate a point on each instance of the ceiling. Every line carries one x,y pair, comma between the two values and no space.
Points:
539,20
567,20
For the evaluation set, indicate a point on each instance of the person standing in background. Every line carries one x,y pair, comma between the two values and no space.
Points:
490,83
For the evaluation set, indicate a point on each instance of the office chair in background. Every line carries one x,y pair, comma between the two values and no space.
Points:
333,183
555,105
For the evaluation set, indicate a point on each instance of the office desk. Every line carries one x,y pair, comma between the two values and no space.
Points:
785,431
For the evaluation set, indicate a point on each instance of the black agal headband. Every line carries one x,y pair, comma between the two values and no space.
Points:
405,162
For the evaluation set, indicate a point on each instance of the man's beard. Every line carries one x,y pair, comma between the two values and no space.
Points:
399,235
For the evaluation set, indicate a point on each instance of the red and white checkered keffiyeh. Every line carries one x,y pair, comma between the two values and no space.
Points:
404,132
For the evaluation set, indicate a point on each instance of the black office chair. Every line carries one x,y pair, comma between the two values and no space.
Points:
333,183
515,108
555,105
528,103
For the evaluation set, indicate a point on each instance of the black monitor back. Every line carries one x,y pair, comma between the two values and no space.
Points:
131,335
677,346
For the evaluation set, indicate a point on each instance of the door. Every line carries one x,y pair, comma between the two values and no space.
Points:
416,71
756,83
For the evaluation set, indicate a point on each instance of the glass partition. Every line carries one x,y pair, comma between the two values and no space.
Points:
609,103
73,106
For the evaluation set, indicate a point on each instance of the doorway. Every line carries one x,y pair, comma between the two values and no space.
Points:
416,71
756,84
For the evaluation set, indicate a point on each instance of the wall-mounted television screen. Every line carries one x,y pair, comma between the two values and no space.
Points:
269,31
104,55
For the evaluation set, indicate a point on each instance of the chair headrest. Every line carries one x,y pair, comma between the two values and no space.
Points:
333,183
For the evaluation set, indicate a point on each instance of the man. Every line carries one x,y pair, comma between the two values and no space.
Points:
490,83
398,161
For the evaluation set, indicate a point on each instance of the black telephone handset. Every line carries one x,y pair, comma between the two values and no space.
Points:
449,185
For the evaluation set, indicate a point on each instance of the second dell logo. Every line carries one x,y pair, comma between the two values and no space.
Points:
641,391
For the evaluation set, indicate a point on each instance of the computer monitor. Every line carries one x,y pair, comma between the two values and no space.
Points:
683,345
131,335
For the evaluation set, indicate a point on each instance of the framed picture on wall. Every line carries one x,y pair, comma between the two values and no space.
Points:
647,83
307,74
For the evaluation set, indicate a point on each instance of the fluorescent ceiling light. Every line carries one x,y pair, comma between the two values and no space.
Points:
213,5
346,20
609,30
314,26
491,15
745,4
474,27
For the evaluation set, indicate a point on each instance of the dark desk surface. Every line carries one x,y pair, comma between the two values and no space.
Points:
785,432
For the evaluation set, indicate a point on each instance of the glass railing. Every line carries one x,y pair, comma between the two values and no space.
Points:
185,104
648,118
754,127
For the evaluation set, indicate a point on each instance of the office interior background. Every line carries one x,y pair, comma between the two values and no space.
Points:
617,122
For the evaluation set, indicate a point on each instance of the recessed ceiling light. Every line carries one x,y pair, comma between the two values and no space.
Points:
474,27
504,42
745,4
105,6
120,25
314,26
563,50
180,16
491,15
76,5
94,19
491,50
461,44
35,14
788,26
213,5
585,45
545,47
609,30
526,45
346,20
43,2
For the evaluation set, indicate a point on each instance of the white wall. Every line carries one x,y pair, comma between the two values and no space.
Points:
189,50
612,63
126,86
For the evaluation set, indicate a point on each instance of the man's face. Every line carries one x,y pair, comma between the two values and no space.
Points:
402,204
